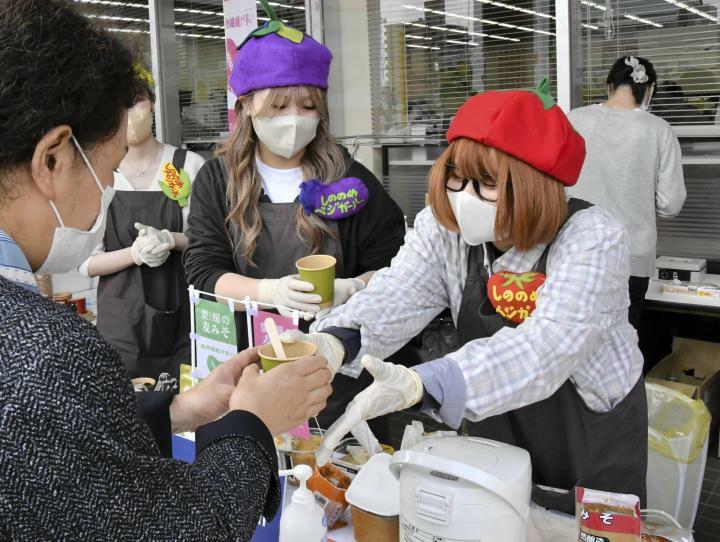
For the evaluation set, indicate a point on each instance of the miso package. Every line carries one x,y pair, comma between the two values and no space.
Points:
607,517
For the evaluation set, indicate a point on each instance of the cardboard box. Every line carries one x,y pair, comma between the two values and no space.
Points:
692,368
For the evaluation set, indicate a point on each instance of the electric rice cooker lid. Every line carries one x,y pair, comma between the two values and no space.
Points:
375,489
508,463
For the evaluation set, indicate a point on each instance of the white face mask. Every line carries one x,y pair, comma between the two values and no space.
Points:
475,217
645,105
71,246
140,119
286,135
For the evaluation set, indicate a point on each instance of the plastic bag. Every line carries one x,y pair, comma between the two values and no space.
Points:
679,425
415,433
659,526
550,526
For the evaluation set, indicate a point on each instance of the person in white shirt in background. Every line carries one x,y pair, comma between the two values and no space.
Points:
633,167
143,307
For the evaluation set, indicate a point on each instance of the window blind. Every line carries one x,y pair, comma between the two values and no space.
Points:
202,72
695,232
427,57
201,69
680,37
128,21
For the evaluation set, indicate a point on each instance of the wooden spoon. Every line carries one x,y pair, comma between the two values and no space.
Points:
272,332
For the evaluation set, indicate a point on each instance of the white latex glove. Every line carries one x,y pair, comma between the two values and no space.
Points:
290,292
344,290
163,236
329,347
149,250
395,388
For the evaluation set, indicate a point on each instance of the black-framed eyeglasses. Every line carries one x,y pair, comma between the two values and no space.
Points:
451,184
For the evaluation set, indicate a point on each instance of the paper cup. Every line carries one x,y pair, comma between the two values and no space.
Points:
319,270
293,351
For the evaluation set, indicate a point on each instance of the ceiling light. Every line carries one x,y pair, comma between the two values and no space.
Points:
285,5
116,18
691,9
458,31
422,46
626,15
485,21
516,8
456,42
113,3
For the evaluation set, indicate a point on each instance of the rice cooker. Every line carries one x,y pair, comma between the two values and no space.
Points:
465,489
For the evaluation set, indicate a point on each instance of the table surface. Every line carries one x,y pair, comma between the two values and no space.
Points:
655,296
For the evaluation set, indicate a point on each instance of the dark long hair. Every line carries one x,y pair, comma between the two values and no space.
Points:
621,74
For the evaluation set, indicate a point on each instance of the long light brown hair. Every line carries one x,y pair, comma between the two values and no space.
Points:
323,160
531,205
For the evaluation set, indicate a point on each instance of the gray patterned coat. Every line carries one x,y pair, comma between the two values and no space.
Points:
79,462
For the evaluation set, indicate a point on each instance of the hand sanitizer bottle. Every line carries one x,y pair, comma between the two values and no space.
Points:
303,520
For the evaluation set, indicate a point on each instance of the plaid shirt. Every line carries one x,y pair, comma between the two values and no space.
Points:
579,329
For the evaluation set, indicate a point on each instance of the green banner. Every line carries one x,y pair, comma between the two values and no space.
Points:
215,321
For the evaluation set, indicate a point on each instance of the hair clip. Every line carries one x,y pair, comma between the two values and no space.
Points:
638,74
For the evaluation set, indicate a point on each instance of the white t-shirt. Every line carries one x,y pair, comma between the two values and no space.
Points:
280,185
193,163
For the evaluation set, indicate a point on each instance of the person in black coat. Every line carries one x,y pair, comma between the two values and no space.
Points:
83,457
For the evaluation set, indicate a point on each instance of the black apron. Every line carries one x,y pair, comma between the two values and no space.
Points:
568,443
278,248
143,312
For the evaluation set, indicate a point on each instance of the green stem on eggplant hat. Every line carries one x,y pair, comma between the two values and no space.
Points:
273,26
269,10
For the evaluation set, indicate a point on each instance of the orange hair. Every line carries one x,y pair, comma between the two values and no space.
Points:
531,205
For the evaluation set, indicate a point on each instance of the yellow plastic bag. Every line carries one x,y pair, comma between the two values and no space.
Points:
678,425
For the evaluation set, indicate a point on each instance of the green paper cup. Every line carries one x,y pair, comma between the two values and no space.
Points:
319,270
293,351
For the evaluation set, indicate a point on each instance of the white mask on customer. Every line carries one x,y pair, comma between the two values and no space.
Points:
71,246
286,135
475,218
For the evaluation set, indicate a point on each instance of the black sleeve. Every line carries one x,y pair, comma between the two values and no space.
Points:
349,337
209,253
372,237
240,423
154,408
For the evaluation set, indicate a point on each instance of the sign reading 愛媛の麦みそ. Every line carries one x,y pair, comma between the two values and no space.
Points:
215,335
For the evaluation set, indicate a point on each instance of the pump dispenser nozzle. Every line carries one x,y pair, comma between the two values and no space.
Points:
303,520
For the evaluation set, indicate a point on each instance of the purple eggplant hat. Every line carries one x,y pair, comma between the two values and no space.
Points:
276,55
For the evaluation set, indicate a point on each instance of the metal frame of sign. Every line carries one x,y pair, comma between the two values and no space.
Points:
251,308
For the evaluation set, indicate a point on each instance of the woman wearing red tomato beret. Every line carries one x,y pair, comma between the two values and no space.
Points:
537,285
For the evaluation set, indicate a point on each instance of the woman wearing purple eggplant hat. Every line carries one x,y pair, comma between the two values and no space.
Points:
258,207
